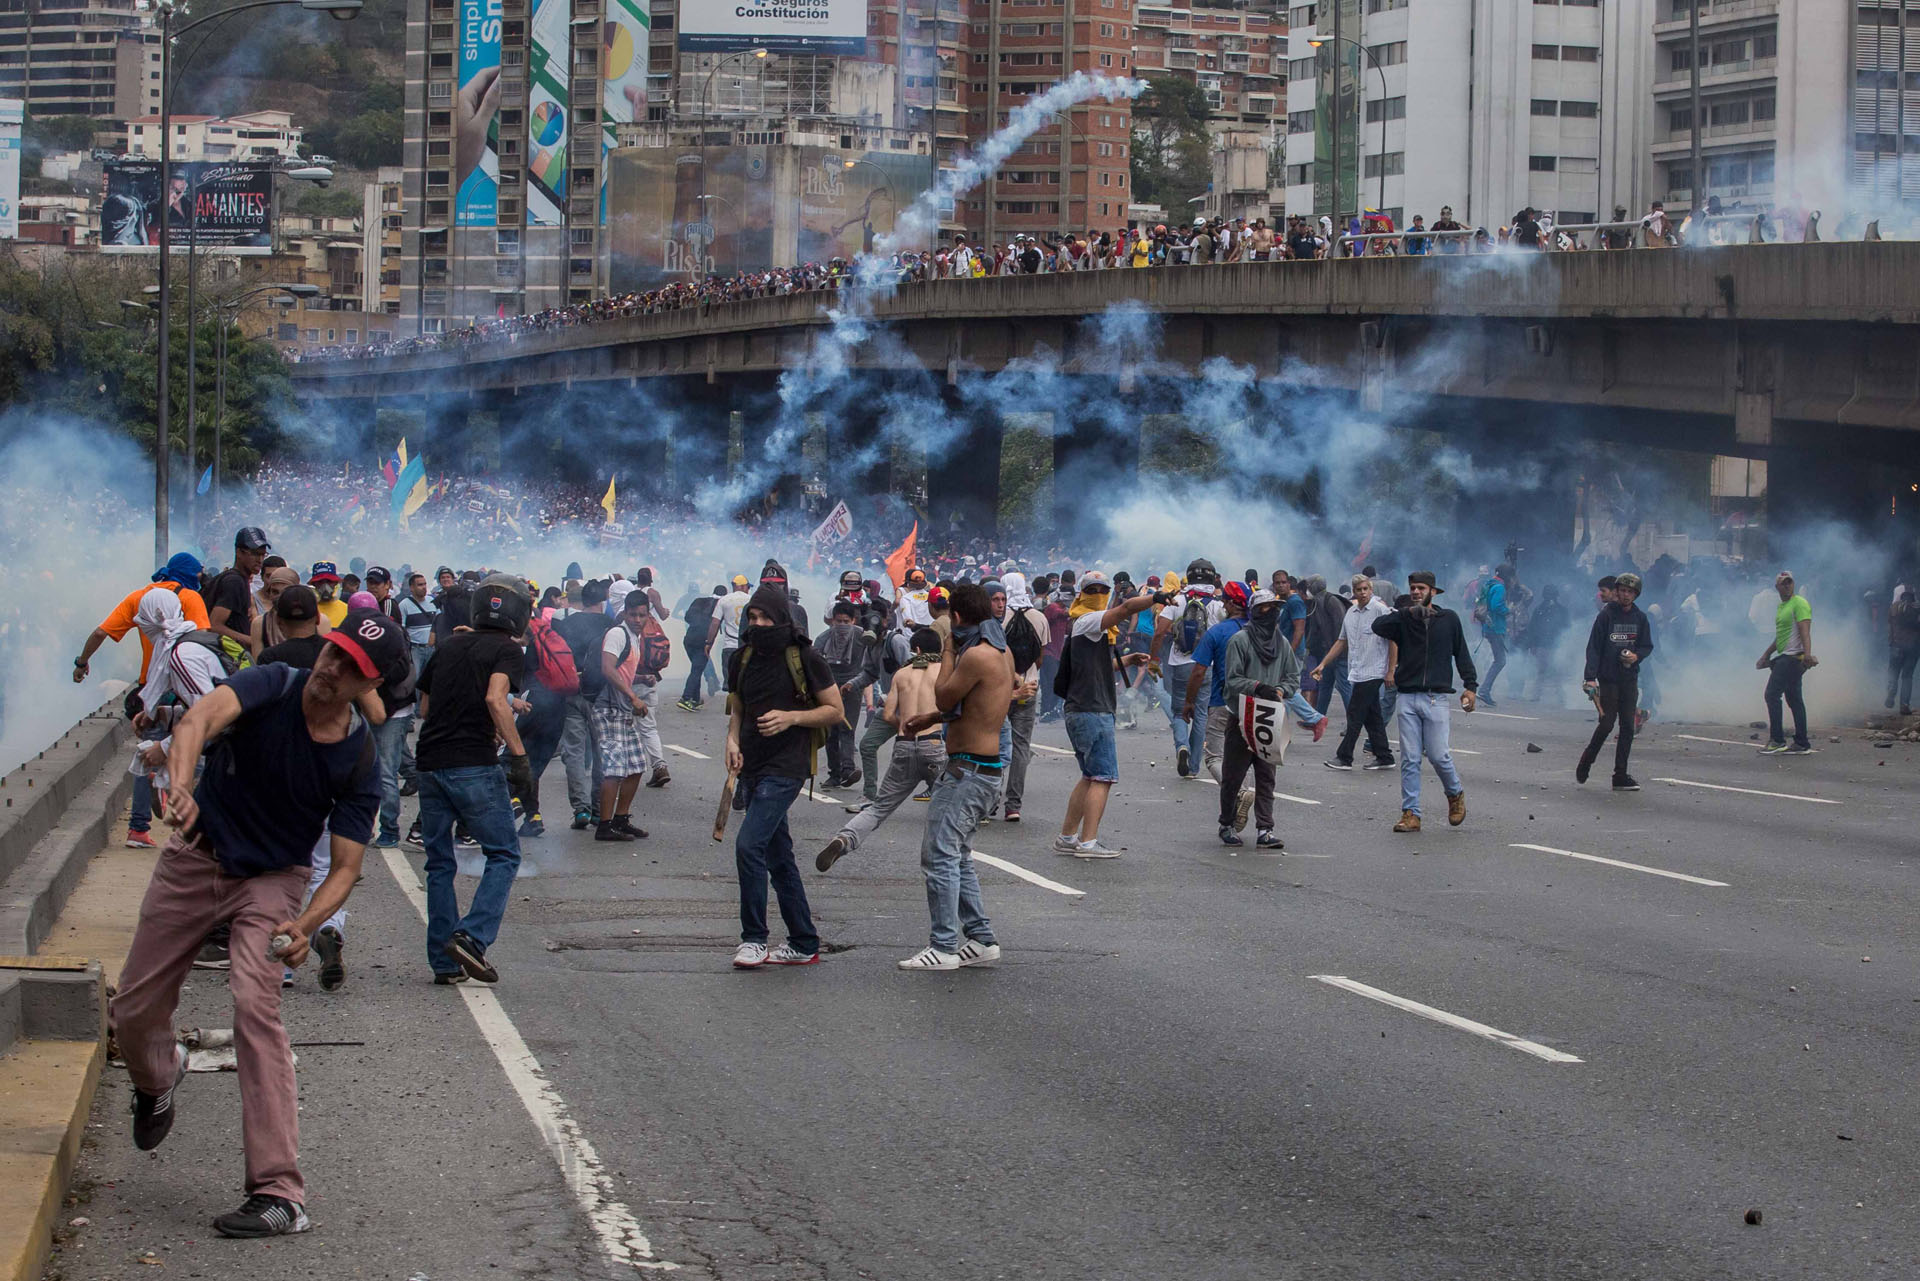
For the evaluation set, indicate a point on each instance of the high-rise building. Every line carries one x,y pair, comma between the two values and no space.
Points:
381,221
1237,56
96,58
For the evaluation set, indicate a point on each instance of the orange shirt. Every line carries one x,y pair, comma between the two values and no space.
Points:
120,621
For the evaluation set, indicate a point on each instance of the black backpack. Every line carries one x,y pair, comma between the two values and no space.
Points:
1023,642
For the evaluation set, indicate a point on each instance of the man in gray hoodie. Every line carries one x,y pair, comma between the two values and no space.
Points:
1260,663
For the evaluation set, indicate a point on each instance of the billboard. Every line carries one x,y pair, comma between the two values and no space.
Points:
218,206
476,122
547,125
12,113
624,56
782,26
1337,70
678,213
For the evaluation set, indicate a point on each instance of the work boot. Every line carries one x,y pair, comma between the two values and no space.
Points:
1457,808
1409,822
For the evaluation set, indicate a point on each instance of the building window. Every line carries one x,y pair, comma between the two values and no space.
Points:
1300,122
1546,53
1391,54
1679,118
1301,15
1763,109
1386,109
1299,175
1301,68
1581,110
506,242
1545,107
1579,53
1395,163
1385,6
1727,113
1541,164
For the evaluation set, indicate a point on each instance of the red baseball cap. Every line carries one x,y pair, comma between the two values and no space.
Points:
374,642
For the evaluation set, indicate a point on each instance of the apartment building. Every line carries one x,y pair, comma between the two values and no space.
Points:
254,135
96,58
381,223
1238,58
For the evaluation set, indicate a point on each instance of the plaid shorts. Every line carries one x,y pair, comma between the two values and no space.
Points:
618,731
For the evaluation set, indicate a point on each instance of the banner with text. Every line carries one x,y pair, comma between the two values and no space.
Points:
782,26
228,207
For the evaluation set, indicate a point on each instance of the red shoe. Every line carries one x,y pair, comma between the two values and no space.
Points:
1320,729
141,841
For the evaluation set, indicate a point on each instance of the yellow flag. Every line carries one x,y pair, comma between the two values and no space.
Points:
401,452
607,502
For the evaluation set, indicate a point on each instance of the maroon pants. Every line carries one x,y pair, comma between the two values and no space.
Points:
187,897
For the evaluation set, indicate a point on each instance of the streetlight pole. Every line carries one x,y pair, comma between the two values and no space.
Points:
1066,144
885,181
162,443
1375,63
226,312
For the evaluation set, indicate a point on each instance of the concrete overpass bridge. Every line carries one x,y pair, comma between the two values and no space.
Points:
1807,352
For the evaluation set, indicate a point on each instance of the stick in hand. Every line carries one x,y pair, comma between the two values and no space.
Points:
726,807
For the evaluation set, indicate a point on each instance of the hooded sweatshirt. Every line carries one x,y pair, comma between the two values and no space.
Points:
1616,630
762,681
1432,643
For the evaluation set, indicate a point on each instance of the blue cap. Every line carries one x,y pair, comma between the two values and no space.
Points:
183,568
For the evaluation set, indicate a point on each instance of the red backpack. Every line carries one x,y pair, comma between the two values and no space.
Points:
656,651
553,659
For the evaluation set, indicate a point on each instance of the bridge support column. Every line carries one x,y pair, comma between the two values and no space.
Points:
1096,456
963,470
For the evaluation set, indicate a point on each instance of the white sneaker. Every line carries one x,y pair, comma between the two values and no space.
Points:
974,952
930,958
786,954
1245,808
1094,849
749,956
1066,844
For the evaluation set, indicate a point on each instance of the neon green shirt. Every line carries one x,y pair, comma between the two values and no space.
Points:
1786,636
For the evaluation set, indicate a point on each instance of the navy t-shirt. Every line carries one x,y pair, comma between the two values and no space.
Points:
269,790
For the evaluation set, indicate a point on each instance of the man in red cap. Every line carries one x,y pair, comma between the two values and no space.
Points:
290,758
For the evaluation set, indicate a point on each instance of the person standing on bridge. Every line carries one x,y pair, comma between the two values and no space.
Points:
1431,643
1619,643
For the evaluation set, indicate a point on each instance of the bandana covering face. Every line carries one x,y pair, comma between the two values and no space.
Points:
1094,603
1264,627
1019,595
160,620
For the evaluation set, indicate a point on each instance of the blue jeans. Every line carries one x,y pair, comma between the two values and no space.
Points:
389,741
1190,734
764,851
1307,713
691,692
1497,642
1336,679
1784,675
1092,736
476,795
1425,725
961,798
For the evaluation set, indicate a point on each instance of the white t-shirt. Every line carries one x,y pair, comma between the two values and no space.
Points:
1366,653
1175,612
730,608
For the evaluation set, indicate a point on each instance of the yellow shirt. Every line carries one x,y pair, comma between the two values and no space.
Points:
334,611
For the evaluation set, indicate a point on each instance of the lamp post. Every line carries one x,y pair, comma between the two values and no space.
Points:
1066,196
168,12
885,180
1337,41
226,311
706,93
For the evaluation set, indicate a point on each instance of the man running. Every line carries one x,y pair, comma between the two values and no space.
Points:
1431,644
291,760
974,688
915,761
1786,662
1619,643
703,626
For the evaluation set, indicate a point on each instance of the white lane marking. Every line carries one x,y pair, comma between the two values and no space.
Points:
688,751
825,799
1730,742
1462,751
1025,875
1057,751
1746,791
1504,716
1614,862
1297,800
613,1223
1451,1020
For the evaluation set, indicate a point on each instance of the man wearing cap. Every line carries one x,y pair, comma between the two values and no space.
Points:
180,575
230,598
1619,643
292,759
1259,663
1432,643
728,612
325,581
1090,665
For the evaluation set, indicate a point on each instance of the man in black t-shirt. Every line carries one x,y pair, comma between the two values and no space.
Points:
291,761
703,626
298,610
772,716
230,599
465,700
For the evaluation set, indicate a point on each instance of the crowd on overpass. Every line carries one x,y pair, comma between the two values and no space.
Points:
1137,246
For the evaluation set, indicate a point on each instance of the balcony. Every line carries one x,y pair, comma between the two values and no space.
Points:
1183,59
1715,15
1678,141
1749,69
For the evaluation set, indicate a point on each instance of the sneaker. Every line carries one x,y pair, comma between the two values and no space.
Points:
1243,809
925,796
1582,771
835,850
410,787
749,956
608,832
1340,765
624,823
974,952
413,836
850,779
447,978
1230,837
660,778
328,945
1094,849
465,841
930,958
387,841
1625,783
1799,749
533,827
1270,840
472,957
1320,729
1485,701
1064,844
1409,822
153,1113
786,954
582,820
1381,762
1013,816
687,705
1457,809
261,1215
213,956
141,841
1774,748
1183,759
857,806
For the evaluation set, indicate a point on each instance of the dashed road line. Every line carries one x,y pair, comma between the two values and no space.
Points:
1734,742
1057,751
688,751
1025,875
1614,862
1747,791
1494,1034
1504,716
619,1233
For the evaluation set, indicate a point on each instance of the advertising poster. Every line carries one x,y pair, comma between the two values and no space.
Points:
783,26
623,75
682,213
12,113
217,206
547,115
1338,71
476,124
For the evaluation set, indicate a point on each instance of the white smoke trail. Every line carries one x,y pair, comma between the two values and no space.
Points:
922,218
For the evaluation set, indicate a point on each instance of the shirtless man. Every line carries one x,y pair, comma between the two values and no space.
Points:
972,693
915,760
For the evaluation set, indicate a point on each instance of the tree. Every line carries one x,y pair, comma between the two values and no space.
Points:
365,141
329,202
41,135
1172,150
